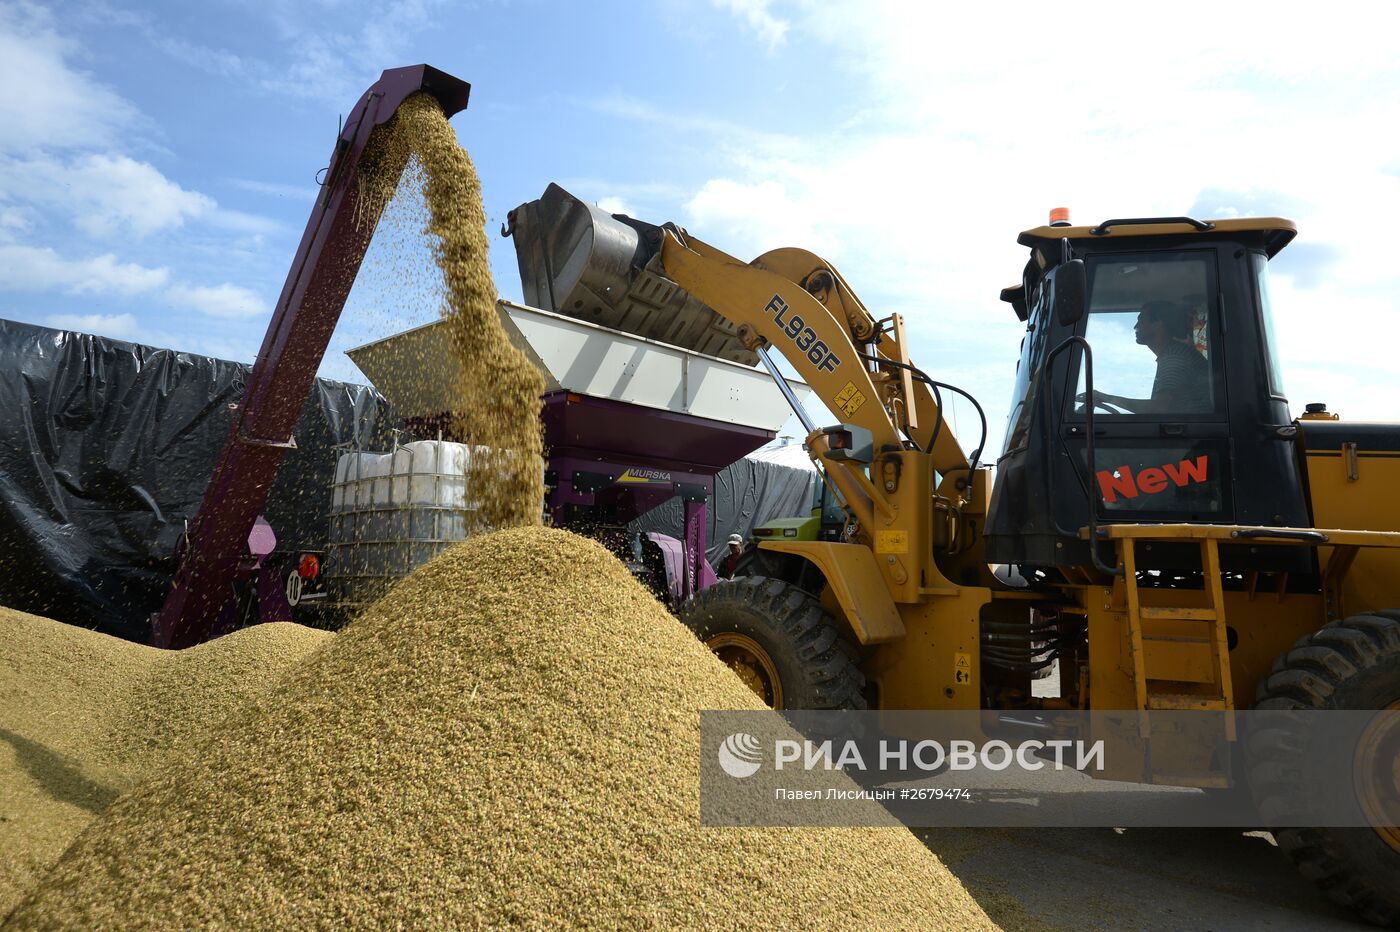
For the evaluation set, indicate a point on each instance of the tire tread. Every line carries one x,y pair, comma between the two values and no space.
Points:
1310,676
827,659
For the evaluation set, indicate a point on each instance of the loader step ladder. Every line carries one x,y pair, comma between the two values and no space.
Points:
1180,654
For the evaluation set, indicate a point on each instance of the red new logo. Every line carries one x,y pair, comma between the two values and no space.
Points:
1121,481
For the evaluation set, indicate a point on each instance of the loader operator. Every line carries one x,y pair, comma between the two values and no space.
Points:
1182,383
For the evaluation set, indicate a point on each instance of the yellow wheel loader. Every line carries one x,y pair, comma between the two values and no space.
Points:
1165,535
1168,535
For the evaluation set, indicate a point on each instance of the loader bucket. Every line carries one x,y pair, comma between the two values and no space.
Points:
580,261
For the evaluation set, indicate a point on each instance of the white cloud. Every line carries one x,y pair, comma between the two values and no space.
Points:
118,326
13,221
237,221
48,104
32,268
226,300
219,62
746,218
757,16
965,124
123,195
718,133
302,54
299,192
307,60
104,195
59,113
615,205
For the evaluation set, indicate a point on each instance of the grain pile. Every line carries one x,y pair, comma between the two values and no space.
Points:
510,736
84,717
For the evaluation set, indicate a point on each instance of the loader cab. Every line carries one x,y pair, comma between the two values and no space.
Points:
1180,387
825,521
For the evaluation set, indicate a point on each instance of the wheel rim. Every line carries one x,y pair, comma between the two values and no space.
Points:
747,658
1376,777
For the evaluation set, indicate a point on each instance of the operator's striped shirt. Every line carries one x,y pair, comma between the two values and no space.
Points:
1183,379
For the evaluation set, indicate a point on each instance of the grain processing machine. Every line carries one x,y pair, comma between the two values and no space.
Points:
629,423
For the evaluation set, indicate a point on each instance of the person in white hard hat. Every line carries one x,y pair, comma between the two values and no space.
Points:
729,563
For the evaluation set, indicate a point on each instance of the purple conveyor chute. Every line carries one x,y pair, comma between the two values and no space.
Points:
327,261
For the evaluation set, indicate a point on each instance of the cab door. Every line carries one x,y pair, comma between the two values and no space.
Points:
1161,410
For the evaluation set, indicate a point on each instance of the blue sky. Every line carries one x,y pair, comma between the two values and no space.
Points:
157,169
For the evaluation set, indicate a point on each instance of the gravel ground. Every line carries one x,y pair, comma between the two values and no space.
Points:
1139,879
1133,879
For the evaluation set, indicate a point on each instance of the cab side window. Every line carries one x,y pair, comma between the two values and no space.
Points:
1028,375
1150,325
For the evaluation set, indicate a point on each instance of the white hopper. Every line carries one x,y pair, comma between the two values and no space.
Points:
415,370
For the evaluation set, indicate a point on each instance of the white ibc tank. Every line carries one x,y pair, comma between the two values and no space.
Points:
392,512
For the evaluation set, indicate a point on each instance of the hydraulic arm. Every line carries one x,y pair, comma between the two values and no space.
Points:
327,261
859,366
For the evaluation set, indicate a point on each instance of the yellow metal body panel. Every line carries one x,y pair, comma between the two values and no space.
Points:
1336,536
1265,623
821,280
1360,568
938,662
891,542
1371,501
780,311
860,590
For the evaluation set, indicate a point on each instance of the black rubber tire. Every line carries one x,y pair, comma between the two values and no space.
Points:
814,660
1350,664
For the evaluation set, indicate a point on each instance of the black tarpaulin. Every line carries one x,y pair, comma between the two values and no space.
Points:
106,448
747,493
